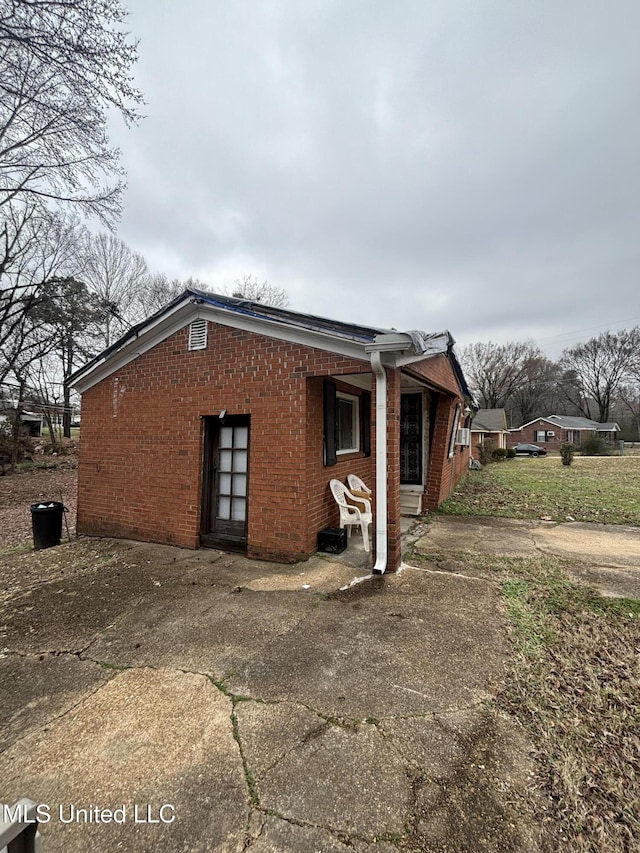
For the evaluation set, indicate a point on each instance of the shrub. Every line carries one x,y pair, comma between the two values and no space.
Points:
499,454
485,452
595,445
511,453
566,452
23,447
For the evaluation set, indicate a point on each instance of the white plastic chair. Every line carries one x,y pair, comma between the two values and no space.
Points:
350,515
357,485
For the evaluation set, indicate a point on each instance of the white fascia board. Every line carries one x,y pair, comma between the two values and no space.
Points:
149,337
391,342
406,360
186,312
547,420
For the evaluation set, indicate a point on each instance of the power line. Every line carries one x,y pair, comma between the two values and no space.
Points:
588,329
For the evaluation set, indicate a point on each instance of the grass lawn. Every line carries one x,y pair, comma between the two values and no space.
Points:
572,684
572,681
593,488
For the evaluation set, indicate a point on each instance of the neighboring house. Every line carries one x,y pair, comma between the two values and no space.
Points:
220,422
553,431
489,425
30,422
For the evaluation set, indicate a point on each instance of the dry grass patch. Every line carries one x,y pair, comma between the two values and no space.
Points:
603,489
573,683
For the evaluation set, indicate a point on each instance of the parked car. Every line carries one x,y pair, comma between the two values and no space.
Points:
529,450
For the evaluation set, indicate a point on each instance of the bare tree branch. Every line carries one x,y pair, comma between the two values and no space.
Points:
63,64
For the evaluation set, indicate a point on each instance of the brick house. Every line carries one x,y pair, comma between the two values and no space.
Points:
489,425
553,431
220,422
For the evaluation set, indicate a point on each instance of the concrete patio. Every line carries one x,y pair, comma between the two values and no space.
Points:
267,707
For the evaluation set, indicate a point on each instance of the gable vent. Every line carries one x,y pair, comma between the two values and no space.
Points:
198,334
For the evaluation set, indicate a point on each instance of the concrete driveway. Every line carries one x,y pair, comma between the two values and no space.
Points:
605,556
157,698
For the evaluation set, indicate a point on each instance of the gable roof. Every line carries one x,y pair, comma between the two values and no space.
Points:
350,339
576,423
489,420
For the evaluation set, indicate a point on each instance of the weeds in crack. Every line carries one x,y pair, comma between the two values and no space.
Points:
252,786
222,687
119,667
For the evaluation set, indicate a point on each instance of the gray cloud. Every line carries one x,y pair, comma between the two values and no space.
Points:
459,165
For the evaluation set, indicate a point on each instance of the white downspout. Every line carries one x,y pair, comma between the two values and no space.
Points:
381,464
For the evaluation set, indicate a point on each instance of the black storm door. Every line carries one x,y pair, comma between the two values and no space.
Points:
225,482
411,452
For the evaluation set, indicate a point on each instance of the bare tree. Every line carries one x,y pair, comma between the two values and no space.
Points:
71,314
157,291
36,249
629,397
594,370
496,371
536,391
250,288
118,277
63,65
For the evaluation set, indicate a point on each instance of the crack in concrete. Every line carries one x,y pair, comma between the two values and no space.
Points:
51,720
342,836
448,574
44,652
251,835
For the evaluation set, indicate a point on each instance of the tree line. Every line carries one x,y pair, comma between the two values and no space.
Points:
64,65
68,286
597,379
82,293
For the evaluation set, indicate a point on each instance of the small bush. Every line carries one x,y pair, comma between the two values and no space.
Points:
484,451
511,453
595,445
23,446
566,452
499,454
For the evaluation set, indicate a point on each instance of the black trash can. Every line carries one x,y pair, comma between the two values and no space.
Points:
46,520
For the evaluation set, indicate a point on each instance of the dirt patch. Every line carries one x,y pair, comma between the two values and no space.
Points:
479,808
19,491
572,683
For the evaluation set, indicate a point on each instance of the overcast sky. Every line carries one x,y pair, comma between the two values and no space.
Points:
462,165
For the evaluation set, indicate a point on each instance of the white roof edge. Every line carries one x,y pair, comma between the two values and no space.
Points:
528,423
190,309
556,423
154,331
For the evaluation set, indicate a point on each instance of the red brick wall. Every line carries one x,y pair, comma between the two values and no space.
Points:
443,472
394,541
140,465
323,510
141,448
526,435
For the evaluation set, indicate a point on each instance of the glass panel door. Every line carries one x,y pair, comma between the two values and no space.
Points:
225,478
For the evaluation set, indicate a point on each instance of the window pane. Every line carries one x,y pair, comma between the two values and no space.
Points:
238,509
224,486
346,439
240,484
224,508
240,461
241,437
226,436
226,457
